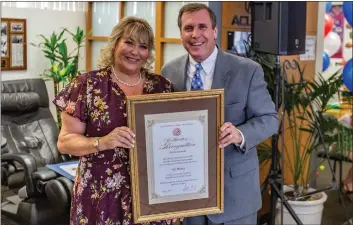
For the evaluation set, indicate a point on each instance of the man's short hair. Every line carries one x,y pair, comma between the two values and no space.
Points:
194,7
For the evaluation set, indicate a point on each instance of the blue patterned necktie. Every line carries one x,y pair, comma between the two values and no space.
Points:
196,83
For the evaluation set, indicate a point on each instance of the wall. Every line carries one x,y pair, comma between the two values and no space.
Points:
162,16
320,36
42,22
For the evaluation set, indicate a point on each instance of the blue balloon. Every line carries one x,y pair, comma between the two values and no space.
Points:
325,61
348,12
328,7
347,75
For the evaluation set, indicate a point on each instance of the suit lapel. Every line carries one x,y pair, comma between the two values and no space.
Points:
221,75
181,82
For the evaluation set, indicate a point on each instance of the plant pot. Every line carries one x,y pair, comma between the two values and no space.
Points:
309,212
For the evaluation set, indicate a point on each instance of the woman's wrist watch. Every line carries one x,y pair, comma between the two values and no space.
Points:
96,144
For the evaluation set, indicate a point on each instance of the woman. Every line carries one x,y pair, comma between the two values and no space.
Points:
94,124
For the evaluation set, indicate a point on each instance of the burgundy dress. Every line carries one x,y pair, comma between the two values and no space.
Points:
101,193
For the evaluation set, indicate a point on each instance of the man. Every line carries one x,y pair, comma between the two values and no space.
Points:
250,115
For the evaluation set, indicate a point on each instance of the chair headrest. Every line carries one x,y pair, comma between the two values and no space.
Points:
27,85
20,102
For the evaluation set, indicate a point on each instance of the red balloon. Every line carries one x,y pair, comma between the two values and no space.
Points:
328,24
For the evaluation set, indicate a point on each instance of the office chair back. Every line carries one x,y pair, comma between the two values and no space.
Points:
26,121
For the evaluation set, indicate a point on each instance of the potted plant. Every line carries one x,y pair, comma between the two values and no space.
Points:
63,64
302,133
308,128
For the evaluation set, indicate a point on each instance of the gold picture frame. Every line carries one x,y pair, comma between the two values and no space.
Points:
144,111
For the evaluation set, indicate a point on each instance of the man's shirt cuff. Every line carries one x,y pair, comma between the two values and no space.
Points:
242,144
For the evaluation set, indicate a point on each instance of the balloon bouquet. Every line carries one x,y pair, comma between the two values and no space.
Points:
332,42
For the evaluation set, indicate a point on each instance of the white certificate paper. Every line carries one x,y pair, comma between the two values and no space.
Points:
177,156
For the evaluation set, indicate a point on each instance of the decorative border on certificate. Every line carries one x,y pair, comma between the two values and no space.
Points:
159,190
176,148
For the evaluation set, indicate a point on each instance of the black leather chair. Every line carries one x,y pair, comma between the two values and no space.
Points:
29,137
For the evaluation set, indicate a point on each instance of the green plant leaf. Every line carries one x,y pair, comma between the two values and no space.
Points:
55,68
63,65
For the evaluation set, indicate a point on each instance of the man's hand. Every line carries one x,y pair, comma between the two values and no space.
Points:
228,134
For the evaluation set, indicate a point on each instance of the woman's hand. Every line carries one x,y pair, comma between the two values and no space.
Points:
122,137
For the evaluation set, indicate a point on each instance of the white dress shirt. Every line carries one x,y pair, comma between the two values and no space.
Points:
206,73
208,66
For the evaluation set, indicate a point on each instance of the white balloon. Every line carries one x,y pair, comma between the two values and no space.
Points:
332,43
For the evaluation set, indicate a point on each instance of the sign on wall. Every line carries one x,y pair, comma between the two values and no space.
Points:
13,44
310,49
236,15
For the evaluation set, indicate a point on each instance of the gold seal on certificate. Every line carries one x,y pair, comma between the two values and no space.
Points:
176,164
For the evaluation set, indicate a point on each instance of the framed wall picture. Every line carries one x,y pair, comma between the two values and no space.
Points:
17,27
17,50
4,43
13,44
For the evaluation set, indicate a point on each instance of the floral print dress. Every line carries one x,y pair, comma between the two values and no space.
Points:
101,193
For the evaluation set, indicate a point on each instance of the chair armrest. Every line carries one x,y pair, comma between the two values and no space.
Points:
59,193
29,165
44,175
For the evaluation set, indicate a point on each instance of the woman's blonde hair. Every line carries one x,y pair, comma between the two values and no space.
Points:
132,27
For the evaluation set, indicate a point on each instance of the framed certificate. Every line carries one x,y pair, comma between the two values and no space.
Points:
176,164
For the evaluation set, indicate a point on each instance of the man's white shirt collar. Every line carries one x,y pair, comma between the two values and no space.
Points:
207,65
